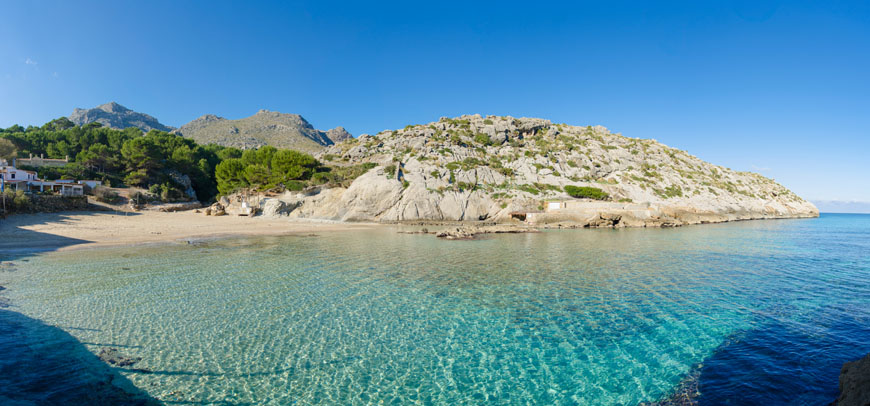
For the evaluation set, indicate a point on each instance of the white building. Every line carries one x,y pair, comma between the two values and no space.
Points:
10,173
28,181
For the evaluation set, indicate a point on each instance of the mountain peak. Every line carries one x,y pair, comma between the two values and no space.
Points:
114,115
113,107
265,127
338,134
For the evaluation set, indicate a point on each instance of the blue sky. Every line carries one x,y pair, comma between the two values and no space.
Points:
779,88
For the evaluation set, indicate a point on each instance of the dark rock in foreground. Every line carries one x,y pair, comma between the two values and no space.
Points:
855,383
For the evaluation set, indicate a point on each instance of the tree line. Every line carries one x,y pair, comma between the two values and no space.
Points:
155,160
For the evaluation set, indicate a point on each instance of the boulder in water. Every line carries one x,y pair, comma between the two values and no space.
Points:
114,357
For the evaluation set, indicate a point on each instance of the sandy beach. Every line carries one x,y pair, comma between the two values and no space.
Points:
74,230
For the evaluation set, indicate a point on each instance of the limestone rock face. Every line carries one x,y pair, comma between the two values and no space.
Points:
338,134
369,197
282,206
485,168
266,127
185,183
855,383
116,116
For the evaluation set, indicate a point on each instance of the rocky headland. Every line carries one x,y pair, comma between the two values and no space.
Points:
505,169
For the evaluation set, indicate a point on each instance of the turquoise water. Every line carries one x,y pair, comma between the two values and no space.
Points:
761,312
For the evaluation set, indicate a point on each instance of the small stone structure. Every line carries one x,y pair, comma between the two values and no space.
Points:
40,161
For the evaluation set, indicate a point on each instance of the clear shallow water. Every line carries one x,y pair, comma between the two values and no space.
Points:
759,312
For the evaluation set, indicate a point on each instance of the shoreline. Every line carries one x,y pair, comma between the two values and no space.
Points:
64,231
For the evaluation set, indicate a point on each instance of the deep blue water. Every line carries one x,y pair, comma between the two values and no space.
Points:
760,312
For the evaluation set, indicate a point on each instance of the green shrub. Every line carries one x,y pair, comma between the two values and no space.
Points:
321,178
390,170
586,192
295,185
106,195
170,193
16,202
529,188
482,139
670,191
487,122
342,175
466,186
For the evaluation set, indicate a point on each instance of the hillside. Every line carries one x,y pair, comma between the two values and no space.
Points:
279,130
476,168
116,116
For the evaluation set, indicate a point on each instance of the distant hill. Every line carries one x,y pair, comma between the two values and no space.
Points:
279,130
117,116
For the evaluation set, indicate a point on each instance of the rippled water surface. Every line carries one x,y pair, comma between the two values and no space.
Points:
760,312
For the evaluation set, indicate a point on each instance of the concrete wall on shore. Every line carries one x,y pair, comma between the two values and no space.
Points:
44,204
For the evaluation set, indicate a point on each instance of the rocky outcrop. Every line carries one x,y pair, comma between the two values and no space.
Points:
114,115
486,168
470,232
279,130
114,357
855,383
277,207
183,181
215,209
338,134
174,207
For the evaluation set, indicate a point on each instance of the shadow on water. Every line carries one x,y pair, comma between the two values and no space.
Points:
44,365
778,363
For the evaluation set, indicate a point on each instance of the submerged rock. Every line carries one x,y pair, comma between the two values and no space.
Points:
687,392
855,383
114,357
469,232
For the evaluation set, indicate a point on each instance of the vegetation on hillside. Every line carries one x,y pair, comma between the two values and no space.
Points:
585,192
7,149
268,168
157,160
118,157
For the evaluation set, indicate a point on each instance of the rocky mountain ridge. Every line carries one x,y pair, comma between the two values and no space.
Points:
496,168
114,115
280,130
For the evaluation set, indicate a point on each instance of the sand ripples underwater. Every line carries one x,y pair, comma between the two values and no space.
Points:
748,313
